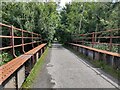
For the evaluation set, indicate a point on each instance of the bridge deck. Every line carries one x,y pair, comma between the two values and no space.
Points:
97,50
9,68
68,71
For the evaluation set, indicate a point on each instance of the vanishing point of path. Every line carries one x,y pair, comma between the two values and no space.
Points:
63,69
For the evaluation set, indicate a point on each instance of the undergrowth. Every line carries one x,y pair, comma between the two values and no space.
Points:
29,80
98,64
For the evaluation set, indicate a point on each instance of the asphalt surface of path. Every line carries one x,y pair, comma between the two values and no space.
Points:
63,69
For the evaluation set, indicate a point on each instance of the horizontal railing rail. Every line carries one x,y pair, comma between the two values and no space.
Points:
103,46
14,72
33,37
109,39
97,50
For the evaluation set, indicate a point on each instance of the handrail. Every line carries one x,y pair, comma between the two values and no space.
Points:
9,68
97,50
107,37
33,36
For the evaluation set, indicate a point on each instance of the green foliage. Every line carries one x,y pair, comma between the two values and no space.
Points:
38,17
5,57
78,17
75,18
27,84
106,47
98,64
107,68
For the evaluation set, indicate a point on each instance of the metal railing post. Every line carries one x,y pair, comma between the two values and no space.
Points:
12,41
38,39
23,42
93,39
32,41
82,39
41,39
110,46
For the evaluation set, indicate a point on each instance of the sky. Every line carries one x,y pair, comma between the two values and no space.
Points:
63,2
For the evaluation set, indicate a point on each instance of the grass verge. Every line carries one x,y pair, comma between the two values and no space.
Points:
34,72
97,64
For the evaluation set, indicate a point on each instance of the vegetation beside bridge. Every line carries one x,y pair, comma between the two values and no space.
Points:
74,18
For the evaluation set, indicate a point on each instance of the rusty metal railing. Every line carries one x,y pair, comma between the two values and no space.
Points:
34,37
14,72
101,46
109,39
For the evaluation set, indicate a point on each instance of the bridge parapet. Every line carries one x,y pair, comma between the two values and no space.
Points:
108,40
104,45
14,73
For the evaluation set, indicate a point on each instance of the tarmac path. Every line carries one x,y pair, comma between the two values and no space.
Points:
63,69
